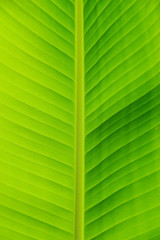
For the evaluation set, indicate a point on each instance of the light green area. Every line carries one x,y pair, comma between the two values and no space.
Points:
37,119
80,120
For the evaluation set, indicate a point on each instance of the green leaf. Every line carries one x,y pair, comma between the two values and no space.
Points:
79,119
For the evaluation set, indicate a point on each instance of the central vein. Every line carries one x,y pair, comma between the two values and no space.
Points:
79,202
